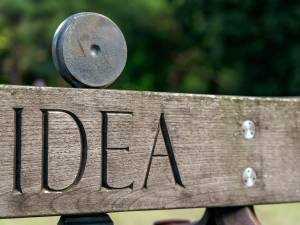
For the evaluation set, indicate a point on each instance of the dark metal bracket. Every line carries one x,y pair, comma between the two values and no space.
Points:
222,216
95,219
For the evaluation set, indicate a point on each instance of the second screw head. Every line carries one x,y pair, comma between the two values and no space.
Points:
249,177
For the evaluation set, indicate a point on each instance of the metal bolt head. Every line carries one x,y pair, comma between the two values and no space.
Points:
248,129
89,50
249,177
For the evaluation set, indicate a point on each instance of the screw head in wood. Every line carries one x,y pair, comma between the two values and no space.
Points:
89,50
249,177
248,129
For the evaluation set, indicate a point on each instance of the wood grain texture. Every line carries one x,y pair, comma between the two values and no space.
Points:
187,149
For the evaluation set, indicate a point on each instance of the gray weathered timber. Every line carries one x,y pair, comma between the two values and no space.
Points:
71,151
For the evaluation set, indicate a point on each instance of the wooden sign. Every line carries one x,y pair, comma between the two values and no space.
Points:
71,151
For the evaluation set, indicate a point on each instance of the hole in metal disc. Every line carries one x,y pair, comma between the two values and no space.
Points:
95,50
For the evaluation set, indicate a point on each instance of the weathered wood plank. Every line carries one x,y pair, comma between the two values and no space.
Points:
70,151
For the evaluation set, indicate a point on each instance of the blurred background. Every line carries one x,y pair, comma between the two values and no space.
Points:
201,46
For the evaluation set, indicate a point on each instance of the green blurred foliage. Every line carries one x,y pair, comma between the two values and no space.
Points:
202,46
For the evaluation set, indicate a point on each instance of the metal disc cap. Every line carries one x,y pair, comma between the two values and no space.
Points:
89,50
